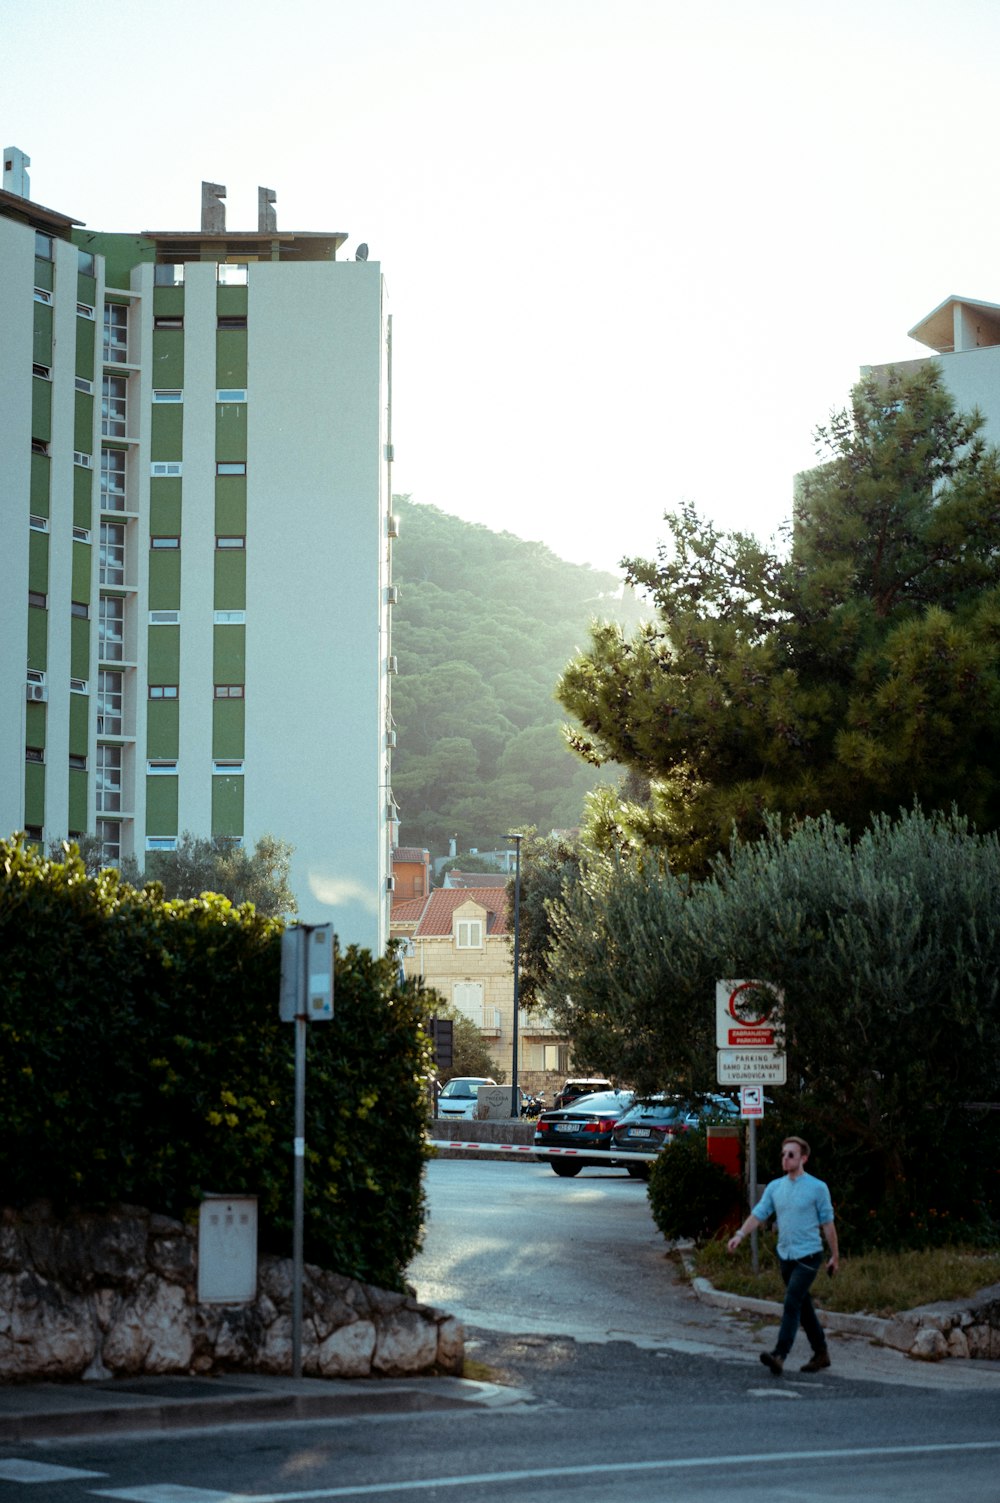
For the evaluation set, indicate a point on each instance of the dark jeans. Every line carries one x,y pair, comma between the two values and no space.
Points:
798,1274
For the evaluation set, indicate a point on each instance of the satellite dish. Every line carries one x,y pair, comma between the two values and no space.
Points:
361,254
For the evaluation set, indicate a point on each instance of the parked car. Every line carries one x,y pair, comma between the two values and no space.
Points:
587,1124
654,1122
581,1085
460,1097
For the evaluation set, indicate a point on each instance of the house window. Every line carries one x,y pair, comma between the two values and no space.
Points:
232,769
467,997
109,703
38,524
163,691
165,542
161,842
85,263
109,779
34,754
469,934
111,557
109,833
43,246
231,394
78,686
165,469
111,629
84,310
43,372
80,609
38,599
234,322
169,274
230,542
231,467
113,391
230,618
230,691
81,535
168,394
231,274
39,446
164,618
82,384
168,321
162,767
43,295
77,763
112,479
115,347
85,461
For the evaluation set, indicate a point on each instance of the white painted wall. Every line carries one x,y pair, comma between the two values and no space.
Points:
17,276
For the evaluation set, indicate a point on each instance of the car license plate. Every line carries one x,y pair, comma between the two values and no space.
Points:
638,1132
566,1127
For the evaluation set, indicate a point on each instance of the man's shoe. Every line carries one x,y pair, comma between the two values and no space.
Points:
775,1363
816,1362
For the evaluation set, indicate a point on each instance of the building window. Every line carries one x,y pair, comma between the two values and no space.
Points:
231,394
163,691
165,469
34,754
39,446
80,609
76,763
84,310
43,295
165,542
85,263
38,599
111,629
112,479
85,461
82,384
231,274
469,934
109,833
109,779
81,535
164,618
231,467
161,842
112,553
230,691
43,372
113,391
34,833
230,618
115,347
169,274
230,542
168,394
232,769
38,524
43,246
235,322
168,321
109,703
78,686
162,767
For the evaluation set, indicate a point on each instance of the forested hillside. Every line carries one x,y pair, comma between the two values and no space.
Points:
484,627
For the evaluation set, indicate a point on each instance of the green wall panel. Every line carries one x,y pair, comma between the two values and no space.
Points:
232,302
34,725
164,585
86,289
38,652
40,474
231,357
120,252
38,562
230,579
228,728
79,648
41,408
83,497
77,800
83,558
83,423
230,655
34,793
168,359
230,430
44,274
161,806
167,439
42,346
163,725
227,806
86,348
168,302
79,726
231,505
164,654
165,507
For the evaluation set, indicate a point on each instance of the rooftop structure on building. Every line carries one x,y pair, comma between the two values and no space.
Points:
196,538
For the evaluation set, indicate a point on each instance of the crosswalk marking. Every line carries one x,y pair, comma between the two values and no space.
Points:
13,1469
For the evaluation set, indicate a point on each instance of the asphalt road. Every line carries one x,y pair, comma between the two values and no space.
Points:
679,1410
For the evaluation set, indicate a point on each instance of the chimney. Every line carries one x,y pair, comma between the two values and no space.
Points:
15,172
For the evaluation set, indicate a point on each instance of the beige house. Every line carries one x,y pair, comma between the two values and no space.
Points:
459,943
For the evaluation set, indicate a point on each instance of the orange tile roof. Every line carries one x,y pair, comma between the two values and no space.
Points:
438,914
407,911
411,853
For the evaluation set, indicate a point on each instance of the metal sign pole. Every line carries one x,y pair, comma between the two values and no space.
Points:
298,1212
752,1172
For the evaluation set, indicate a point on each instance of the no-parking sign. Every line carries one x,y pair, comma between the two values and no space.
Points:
748,1015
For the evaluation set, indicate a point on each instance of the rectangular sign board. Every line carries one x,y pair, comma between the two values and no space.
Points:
748,1015
750,1067
751,1102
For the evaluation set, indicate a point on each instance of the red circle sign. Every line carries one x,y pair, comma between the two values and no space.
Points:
739,1013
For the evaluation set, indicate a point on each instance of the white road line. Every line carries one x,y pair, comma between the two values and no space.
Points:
15,1470
610,1469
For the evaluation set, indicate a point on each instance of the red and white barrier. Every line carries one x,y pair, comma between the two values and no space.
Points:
619,1156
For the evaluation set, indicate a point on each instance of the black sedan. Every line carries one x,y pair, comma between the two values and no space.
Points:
586,1125
651,1124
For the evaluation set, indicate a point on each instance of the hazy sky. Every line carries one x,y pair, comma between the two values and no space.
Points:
635,251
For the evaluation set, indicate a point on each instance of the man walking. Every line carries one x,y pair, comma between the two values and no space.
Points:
803,1208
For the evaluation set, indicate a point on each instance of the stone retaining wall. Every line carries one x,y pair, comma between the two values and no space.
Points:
107,1296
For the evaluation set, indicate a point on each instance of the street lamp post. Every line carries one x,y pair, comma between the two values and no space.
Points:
515,1104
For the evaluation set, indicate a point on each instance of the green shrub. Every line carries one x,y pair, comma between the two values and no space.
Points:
142,1060
689,1195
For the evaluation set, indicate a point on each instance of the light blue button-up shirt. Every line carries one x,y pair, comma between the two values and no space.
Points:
802,1206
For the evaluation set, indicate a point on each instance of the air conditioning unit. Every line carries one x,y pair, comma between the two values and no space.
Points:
36,693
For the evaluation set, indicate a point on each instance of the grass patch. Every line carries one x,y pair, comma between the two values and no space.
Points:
873,1283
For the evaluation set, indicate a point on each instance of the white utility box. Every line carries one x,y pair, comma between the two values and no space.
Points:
227,1250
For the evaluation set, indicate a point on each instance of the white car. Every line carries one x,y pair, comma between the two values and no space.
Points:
460,1096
